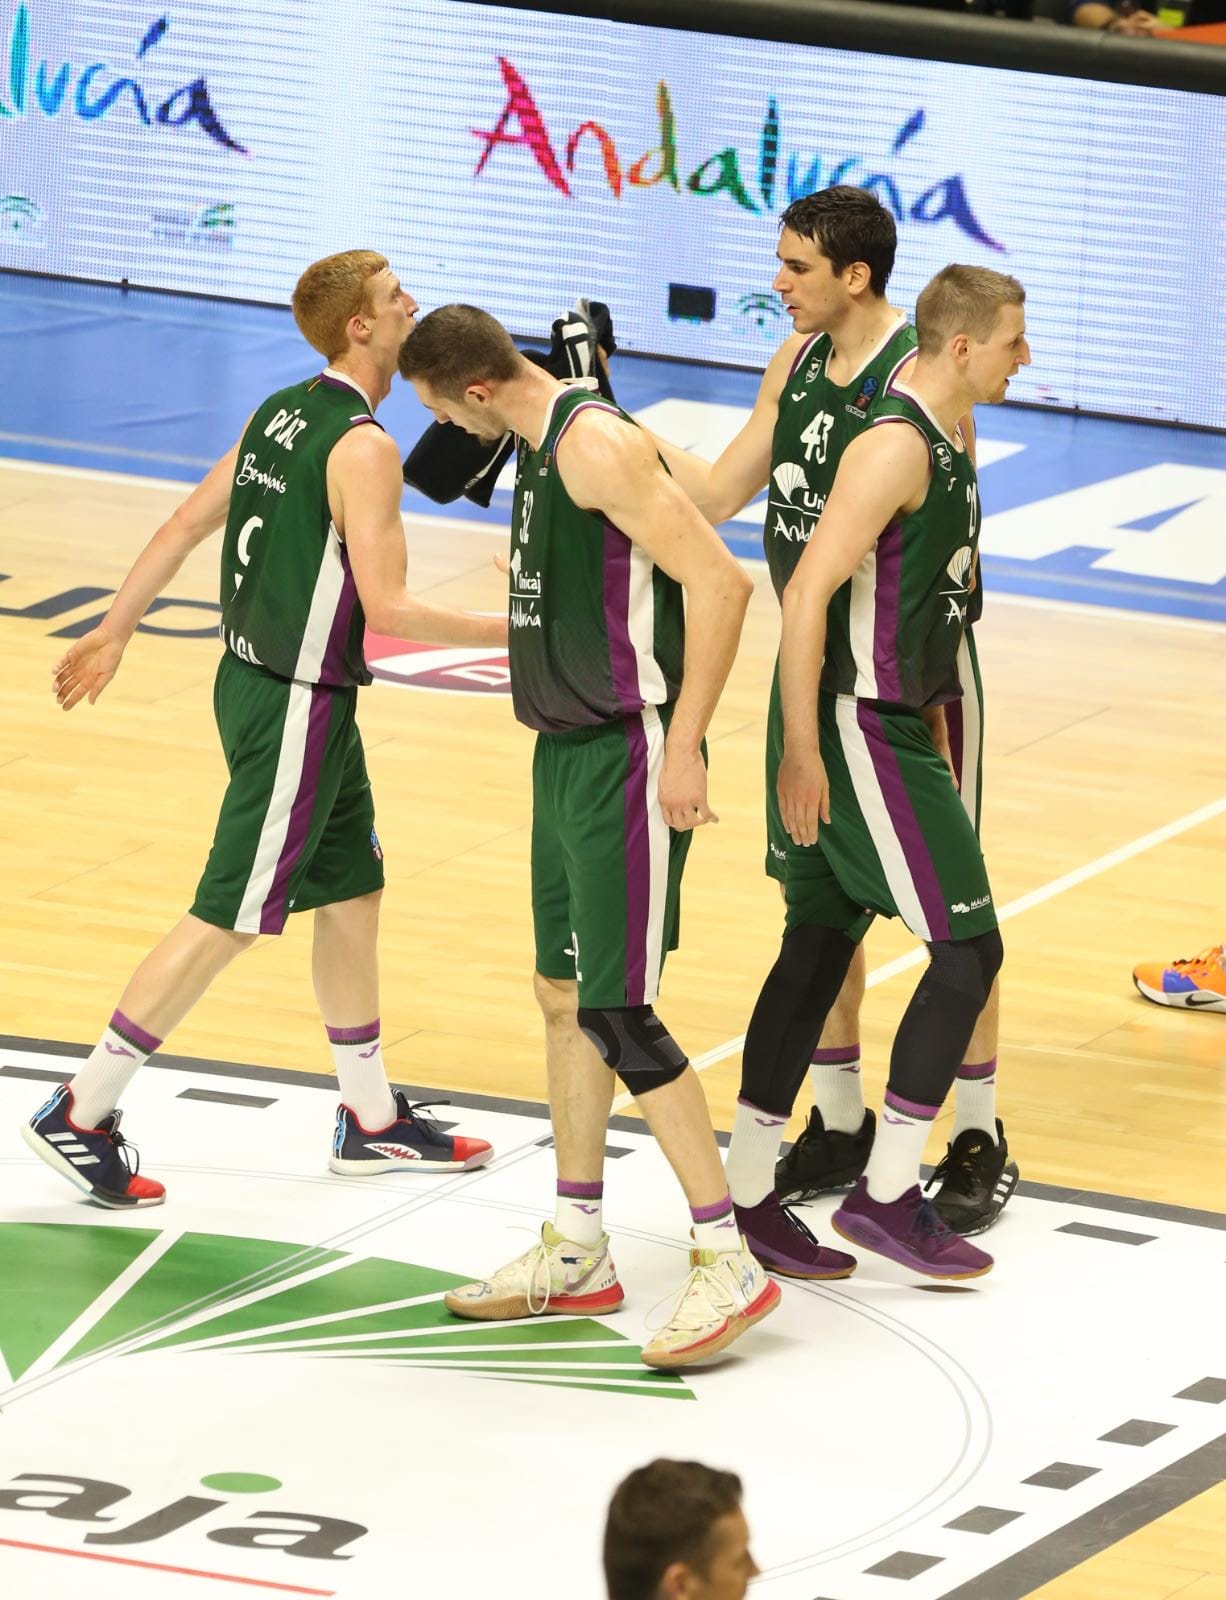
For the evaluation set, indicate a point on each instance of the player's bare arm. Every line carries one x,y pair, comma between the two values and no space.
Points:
885,471
89,665
364,486
611,466
723,487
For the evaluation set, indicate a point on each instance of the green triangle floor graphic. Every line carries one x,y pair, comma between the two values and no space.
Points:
197,1266
50,1273
362,1283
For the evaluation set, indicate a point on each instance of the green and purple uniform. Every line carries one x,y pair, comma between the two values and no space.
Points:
596,645
901,842
296,829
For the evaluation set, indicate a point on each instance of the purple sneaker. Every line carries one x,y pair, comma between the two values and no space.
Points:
909,1230
784,1245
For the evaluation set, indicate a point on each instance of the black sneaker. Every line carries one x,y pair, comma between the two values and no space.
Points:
821,1162
976,1178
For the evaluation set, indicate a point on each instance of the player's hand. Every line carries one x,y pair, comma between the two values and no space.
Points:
1134,23
683,790
86,669
804,794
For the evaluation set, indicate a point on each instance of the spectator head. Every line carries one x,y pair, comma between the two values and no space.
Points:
676,1531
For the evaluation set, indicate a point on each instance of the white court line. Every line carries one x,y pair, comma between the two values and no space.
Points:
1026,902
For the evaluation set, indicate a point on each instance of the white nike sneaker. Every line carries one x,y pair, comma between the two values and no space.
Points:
727,1291
555,1278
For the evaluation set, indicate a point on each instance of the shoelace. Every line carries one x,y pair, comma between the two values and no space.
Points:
701,1278
1213,956
429,1127
127,1153
957,1176
928,1222
535,1261
797,1226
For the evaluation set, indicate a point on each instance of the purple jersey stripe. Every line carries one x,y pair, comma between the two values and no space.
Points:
956,728
623,662
906,826
885,613
330,669
638,863
274,910
133,1033
910,1108
801,354
586,405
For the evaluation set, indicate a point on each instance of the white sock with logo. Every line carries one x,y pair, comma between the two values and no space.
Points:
756,1137
358,1057
902,1132
108,1070
577,1212
837,1088
975,1106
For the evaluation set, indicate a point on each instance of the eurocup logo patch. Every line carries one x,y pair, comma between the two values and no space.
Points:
444,669
944,457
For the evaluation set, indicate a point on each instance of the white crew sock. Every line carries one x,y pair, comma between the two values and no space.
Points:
109,1069
902,1131
837,1088
975,1106
756,1137
577,1212
358,1058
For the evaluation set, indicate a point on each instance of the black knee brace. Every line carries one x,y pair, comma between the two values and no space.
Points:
937,1026
636,1044
791,1011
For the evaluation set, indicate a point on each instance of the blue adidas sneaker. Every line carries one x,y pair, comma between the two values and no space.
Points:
98,1161
411,1143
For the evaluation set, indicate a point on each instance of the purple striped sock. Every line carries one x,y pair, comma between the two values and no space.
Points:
847,1055
367,1033
715,1226
133,1034
580,1191
984,1069
909,1108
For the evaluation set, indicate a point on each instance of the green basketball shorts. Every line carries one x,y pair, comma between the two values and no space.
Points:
297,824
606,867
899,843
965,721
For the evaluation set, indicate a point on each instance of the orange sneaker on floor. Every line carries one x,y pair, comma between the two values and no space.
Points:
1198,983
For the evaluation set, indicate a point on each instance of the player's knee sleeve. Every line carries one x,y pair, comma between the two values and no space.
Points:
937,1025
636,1044
790,1013
969,966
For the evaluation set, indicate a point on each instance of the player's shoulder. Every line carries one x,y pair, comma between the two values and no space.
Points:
366,446
785,361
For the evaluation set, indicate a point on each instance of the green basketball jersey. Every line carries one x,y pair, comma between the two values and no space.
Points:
288,599
597,630
893,629
817,420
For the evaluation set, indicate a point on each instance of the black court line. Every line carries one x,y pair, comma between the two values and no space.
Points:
223,1098
1099,1529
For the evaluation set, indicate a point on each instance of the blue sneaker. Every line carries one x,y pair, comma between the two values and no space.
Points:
98,1161
411,1142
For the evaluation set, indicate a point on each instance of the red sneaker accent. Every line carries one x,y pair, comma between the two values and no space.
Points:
603,1300
472,1152
146,1189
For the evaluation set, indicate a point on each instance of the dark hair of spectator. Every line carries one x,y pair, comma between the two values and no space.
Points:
847,225
662,1513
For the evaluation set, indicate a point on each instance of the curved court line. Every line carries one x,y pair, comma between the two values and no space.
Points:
1025,902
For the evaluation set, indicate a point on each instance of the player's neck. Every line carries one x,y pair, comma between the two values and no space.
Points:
942,391
859,333
526,403
361,369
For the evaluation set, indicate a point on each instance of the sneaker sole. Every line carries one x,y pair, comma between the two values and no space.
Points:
1194,1000
732,1330
881,1243
836,1184
368,1167
796,1270
65,1168
514,1308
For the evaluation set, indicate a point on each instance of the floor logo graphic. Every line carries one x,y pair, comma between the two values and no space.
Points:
427,666
224,1293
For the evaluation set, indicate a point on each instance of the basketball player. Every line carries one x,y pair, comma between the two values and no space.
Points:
836,253
675,1530
620,692
313,550
873,617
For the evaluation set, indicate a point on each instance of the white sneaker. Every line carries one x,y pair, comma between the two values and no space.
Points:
556,1278
727,1292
